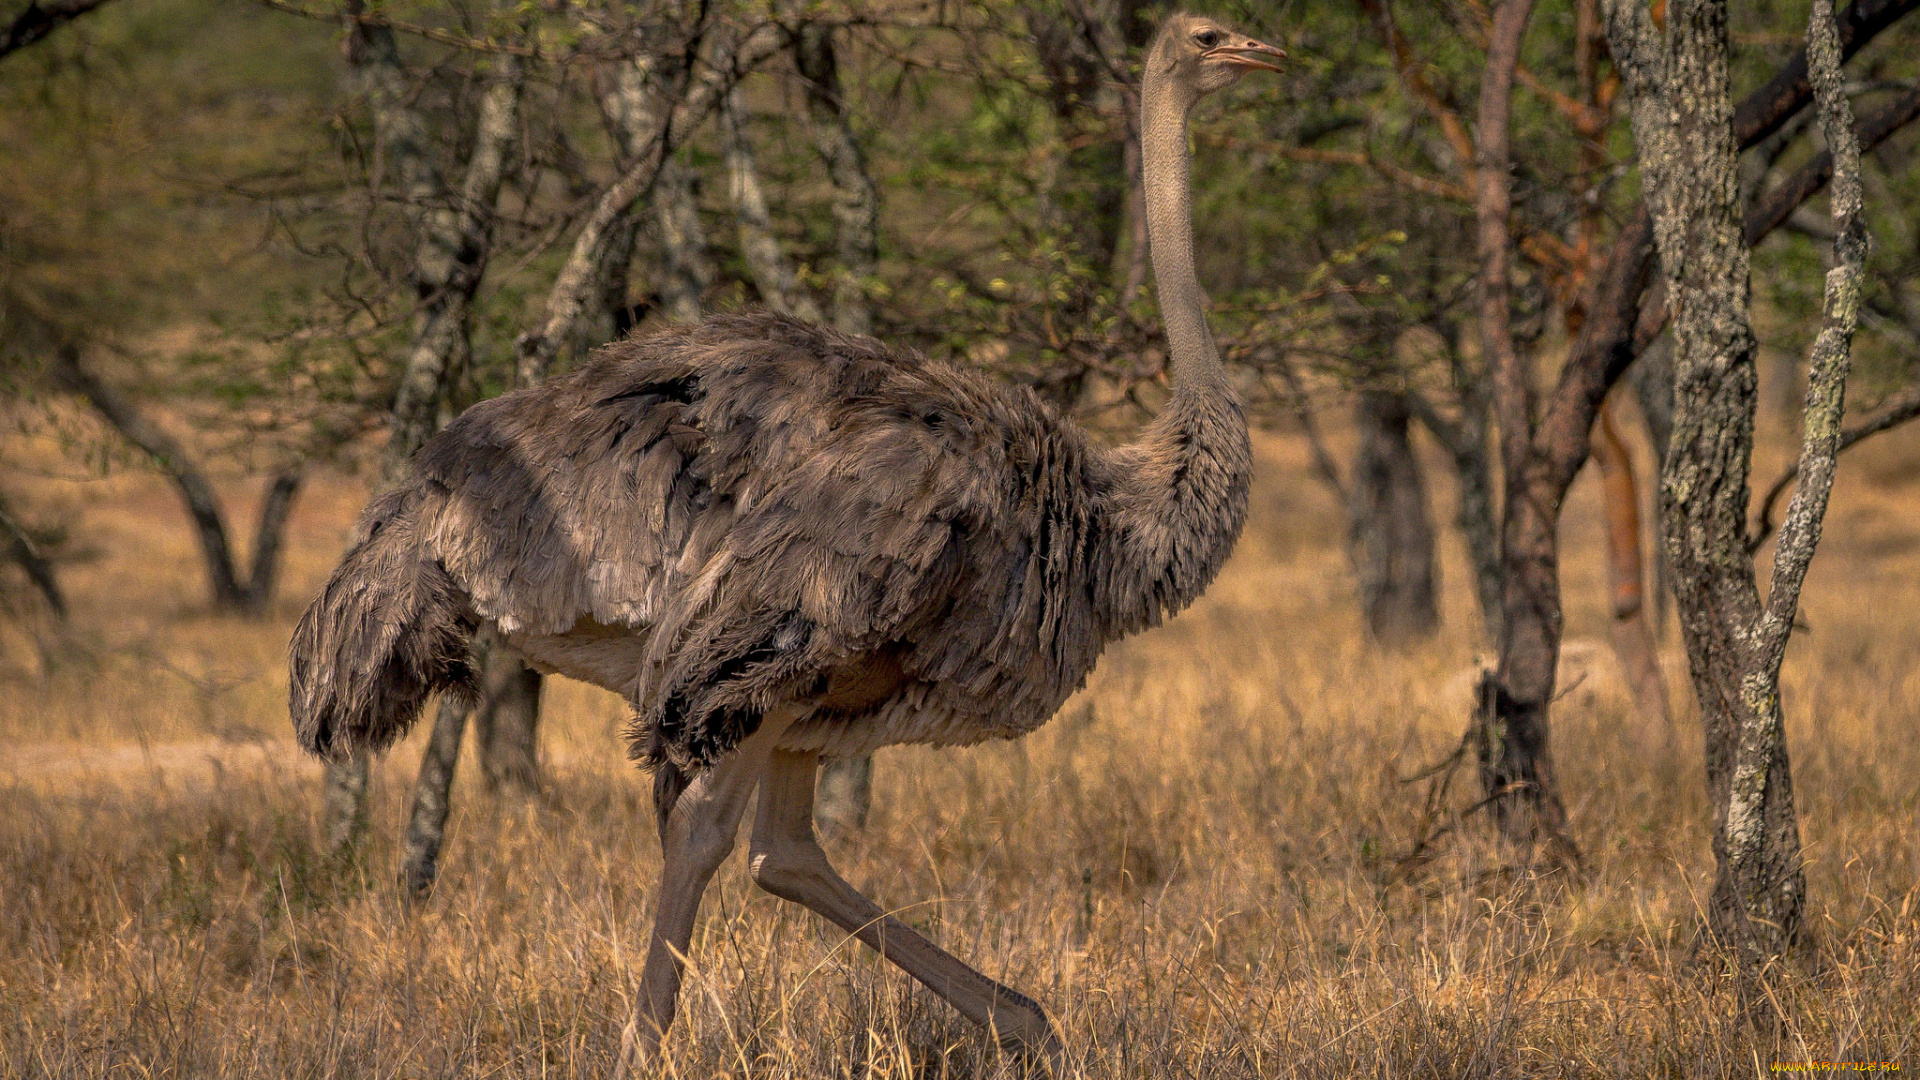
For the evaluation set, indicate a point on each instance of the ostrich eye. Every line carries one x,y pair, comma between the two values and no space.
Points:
1207,39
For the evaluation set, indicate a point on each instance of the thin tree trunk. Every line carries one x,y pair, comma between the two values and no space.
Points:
1392,534
269,536
856,201
1465,441
375,73
432,798
506,725
1735,642
451,261
343,806
843,796
448,269
1633,643
676,215
1516,766
776,281
1652,379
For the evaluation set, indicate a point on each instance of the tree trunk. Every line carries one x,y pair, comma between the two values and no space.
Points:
856,201
1652,378
1678,83
686,269
448,269
455,243
343,806
843,796
1516,767
1633,643
1392,535
433,799
775,280
1465,441
506,725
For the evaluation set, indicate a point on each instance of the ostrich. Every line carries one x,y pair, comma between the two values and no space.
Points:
782,543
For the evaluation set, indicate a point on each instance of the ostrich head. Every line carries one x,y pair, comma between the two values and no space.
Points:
1203,56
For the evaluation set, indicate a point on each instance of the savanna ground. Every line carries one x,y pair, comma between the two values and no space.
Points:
1197,866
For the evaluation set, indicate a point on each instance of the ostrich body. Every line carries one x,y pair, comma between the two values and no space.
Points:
779,543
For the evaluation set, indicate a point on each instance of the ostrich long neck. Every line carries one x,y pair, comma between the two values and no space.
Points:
1179,492
1165,168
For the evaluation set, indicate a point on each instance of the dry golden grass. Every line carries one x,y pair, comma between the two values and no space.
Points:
1194,866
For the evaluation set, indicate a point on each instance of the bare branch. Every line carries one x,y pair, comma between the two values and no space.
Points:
576,281
39,20
1897,410
1762,112
1772,209
38,567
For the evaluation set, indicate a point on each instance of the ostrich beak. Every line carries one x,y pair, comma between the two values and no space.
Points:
1250,54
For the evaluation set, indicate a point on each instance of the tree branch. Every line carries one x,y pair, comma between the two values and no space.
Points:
1408,66
1899,409
1762,112
38,567
537,348
1772,209
1493,204
39,20
202,504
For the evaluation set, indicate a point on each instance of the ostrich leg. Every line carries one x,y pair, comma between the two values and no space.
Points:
787,862
698,836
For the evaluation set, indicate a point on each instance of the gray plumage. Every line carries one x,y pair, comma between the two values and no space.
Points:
712,520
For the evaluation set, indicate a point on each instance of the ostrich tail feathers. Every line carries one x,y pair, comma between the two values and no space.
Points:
389,630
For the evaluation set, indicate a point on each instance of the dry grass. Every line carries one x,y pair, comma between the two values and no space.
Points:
1194,866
